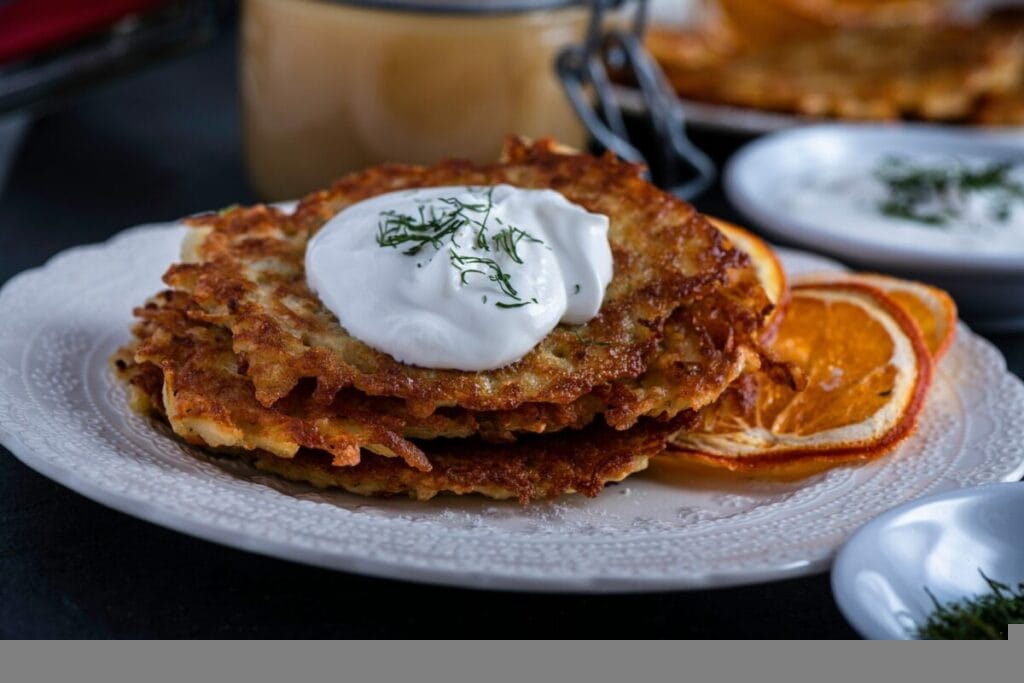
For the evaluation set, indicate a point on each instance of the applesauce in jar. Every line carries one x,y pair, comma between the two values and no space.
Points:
330,87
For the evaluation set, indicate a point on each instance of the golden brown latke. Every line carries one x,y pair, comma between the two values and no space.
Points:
705,347
166,337
536,467
212,398
1006,109
769,21
208,400
920,72
200,388
247,275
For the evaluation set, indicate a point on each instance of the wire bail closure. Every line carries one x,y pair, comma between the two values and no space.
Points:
680,166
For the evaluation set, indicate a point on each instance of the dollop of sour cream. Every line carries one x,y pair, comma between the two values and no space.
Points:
463,278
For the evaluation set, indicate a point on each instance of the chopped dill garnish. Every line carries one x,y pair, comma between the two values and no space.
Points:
231,208
502,304
491,268
576,290
439,226
589,342
508,239
937,195
431,227
982,617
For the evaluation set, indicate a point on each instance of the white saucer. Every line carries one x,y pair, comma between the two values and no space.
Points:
941,543
988,285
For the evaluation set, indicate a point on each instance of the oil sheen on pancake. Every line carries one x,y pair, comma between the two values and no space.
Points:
536,468
244,270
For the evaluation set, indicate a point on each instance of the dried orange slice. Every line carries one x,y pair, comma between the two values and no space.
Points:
767,265
932,309
866,368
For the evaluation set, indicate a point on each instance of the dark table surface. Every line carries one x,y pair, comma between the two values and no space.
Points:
164,143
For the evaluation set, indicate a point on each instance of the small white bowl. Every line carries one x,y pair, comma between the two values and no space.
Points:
939,542
988,285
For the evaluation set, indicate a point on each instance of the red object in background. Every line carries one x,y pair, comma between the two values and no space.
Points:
28,27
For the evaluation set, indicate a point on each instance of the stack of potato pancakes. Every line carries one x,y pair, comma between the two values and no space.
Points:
240,356
937,71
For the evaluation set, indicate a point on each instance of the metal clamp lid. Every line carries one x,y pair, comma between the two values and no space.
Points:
681,167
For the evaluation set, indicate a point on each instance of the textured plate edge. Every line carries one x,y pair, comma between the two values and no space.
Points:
816,563
154,514
844,605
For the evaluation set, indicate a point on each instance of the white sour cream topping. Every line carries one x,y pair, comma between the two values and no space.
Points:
493,270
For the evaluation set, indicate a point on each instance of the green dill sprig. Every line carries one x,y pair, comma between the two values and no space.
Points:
583,340
491,268
937,195
508,239
502,304
431,227
982,617
439,226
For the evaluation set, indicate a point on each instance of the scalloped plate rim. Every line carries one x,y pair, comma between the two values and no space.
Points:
155,513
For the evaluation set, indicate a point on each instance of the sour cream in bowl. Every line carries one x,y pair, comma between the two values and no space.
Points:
925,202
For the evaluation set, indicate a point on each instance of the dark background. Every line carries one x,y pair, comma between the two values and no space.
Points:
156,146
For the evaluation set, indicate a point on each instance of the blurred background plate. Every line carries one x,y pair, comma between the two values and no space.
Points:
761,179
719,117
749,121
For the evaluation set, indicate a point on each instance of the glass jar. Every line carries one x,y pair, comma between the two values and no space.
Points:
330,87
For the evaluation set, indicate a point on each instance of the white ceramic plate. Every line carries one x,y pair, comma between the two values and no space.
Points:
941,542
63,414
988,285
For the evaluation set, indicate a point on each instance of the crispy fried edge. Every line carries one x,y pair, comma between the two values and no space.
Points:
542,467
423,401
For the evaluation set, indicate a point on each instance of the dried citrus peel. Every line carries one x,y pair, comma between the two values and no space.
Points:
867,368
932,309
